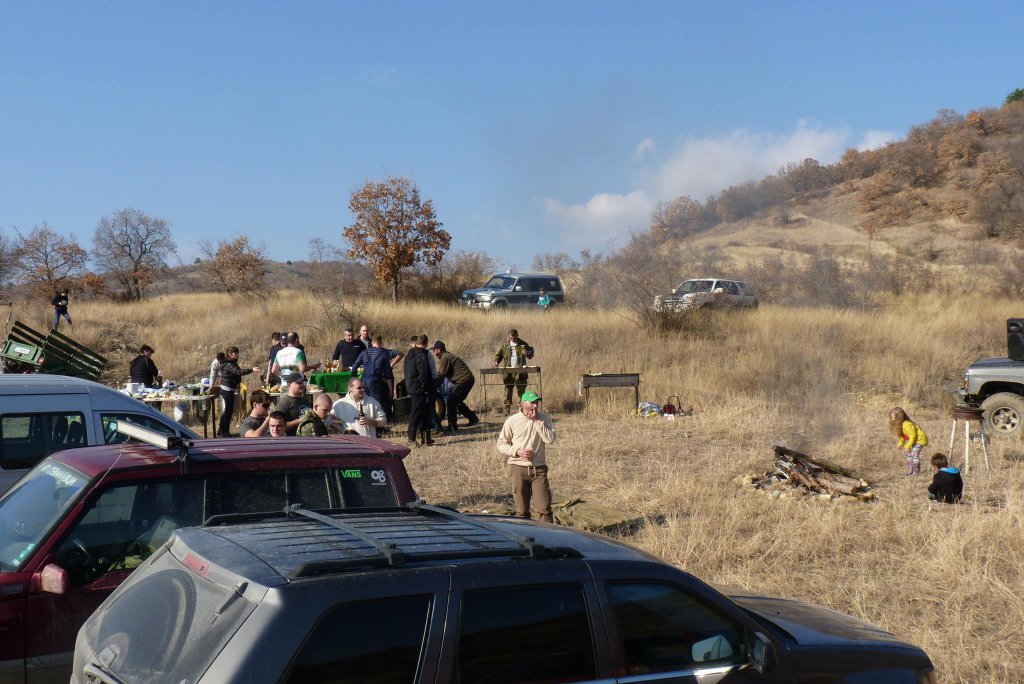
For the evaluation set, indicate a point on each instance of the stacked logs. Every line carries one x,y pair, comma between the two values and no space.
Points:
794,474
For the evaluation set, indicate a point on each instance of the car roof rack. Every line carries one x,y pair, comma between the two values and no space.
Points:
338,540
158,439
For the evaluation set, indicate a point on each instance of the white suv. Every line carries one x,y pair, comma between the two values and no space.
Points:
707,293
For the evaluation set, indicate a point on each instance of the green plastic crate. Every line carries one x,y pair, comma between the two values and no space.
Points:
20,351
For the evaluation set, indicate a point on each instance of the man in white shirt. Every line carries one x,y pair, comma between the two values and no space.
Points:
290,359
356,402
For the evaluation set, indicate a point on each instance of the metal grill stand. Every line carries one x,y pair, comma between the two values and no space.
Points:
968,414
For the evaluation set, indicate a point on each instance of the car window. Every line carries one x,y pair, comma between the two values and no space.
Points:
554,285
33,506
665,629
262,492
125,525
112,436
26,439
526,634
366,488
728,287
500,283
346,647
187,620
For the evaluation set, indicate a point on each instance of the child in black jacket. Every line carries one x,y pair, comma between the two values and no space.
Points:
947,486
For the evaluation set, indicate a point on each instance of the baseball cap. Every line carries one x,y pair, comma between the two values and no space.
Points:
294,377
439,345
531,397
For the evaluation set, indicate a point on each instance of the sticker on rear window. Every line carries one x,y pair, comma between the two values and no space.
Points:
352,473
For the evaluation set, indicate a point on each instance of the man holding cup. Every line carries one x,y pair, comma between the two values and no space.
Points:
522,440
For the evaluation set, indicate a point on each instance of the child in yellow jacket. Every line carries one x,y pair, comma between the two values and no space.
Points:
912,438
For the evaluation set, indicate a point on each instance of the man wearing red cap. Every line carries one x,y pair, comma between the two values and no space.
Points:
523,438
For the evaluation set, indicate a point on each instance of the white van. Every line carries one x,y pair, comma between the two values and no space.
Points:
41,414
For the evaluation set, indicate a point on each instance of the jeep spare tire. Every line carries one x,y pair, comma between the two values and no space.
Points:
1004,414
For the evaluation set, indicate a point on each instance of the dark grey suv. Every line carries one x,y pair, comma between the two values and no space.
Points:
428,595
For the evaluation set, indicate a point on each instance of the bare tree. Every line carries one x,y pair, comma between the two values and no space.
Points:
8,258
237,266
394,230
132,246
46,260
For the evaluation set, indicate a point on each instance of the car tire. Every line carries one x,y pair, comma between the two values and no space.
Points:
1004,414
500,304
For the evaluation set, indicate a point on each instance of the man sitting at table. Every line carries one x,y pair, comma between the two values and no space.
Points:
256,424
276,423
292,404
348,349
316,423
359,414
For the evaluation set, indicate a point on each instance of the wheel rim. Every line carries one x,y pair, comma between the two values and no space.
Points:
1005,419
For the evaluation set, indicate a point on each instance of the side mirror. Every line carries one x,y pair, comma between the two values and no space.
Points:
675,290
762,655
53,579
518,288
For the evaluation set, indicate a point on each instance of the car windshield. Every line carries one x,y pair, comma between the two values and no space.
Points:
691,286
33,507
500,283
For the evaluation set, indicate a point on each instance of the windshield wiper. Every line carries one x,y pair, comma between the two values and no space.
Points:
97,673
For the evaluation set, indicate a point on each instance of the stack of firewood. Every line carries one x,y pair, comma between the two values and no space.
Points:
797,474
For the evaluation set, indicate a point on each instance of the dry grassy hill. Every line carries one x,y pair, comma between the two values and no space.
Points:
817,378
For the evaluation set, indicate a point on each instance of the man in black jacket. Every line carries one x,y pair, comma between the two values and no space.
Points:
60,307
142,368
419,383
230,381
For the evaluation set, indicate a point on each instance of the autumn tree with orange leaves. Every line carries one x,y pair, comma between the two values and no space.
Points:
394,230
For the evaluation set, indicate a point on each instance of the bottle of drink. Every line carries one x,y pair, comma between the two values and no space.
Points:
362,414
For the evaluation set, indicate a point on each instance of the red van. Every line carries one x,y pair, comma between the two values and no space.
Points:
79,522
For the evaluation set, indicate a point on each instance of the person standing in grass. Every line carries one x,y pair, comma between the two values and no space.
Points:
912,438
60,307
947,486
230,382
514,353
522,439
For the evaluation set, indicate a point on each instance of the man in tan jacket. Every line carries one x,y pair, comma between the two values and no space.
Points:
522,439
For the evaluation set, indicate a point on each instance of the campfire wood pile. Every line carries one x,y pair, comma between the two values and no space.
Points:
796,474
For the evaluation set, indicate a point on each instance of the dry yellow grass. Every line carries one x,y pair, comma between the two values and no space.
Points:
820,379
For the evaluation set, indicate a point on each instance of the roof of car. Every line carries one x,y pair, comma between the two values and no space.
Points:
94,460
730,280
309,544
517,274
43,383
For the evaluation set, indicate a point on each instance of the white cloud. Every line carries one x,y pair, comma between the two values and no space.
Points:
873,139
702,166
602,218
645,146
698,168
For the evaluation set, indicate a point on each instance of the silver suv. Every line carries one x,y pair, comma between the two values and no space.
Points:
707,293
515,289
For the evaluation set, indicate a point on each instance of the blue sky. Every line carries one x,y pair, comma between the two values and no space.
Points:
534,127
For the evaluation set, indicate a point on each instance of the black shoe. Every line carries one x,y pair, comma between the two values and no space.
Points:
412,443
473,421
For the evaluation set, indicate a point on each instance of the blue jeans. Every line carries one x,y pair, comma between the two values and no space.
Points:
56,318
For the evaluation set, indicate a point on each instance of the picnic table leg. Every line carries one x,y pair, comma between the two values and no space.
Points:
213,416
